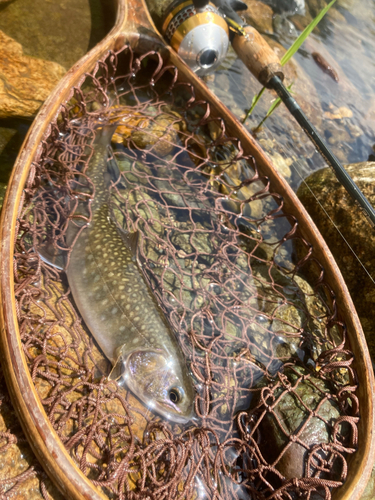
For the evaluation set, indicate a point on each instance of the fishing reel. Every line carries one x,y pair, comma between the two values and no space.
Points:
198,30
198,33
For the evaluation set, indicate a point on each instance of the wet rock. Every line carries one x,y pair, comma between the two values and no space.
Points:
315,6
287,6
284,29
300,21
348,218
25,82
282,164
369,492
3,188
290,418
6,135
60,31
158,134
335,16
259,15
338,113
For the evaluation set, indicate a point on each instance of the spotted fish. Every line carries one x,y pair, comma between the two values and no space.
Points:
119,308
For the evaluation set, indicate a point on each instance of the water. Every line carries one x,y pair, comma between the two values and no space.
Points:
346,39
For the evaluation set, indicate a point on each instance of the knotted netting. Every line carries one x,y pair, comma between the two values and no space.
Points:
275,405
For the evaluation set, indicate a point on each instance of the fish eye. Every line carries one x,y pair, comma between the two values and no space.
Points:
175,395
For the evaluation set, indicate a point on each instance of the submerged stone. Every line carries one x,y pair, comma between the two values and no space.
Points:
348,218
299,417
2,194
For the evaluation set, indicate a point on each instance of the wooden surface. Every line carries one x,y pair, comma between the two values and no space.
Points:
257,56
49,450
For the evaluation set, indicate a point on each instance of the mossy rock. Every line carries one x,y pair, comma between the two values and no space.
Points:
348,218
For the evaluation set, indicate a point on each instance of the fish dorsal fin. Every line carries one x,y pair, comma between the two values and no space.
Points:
51,255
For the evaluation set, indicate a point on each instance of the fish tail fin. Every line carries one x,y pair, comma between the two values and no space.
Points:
51,255
104,134
112,166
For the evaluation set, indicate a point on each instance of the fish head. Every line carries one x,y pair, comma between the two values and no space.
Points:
161,383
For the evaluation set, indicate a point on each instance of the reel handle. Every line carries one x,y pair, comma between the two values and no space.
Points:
257,55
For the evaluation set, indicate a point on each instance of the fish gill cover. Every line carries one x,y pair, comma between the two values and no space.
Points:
275,407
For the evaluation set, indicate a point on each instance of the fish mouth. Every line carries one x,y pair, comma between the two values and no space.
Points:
178,419
177,415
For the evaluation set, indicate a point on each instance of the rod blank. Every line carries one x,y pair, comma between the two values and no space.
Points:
341,174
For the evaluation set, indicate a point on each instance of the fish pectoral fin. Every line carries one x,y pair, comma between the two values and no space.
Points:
51,255
107,179
117,368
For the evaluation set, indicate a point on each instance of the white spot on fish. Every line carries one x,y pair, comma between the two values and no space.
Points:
114,310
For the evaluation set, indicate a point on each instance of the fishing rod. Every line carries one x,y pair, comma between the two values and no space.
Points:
264,64
200,31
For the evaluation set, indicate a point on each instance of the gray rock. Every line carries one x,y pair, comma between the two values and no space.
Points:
290,423
287,6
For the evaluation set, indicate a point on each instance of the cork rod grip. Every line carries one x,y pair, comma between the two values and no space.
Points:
257,55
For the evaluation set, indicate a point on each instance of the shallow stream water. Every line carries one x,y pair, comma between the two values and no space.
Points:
343,111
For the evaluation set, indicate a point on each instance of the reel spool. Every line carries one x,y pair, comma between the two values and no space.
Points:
199,36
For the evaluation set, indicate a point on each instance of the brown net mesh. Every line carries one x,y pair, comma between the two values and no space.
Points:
275,407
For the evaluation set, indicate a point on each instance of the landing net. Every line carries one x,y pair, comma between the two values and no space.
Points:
276,407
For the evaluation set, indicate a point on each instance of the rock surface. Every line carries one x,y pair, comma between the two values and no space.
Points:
60,31
25,82
291,413
258,15
3,188
348,218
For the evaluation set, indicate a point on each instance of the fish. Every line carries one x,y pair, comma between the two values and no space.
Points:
117,304
325,66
